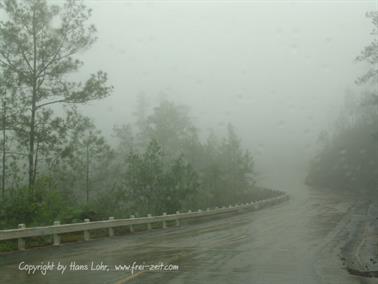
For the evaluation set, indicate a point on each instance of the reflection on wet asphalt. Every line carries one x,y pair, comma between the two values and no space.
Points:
294,242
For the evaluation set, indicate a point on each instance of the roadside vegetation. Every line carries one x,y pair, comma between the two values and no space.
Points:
56,164
348,159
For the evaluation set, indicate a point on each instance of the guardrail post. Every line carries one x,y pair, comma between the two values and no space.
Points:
87,235
131,225
20,241
111,230
199,211
177,219
164,222
149,227
207,209
56,237
239,207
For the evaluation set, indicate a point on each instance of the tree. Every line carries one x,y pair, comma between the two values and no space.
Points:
126,139
155,185
143,178
97,151
181,184
4,144
142,138
370,55
347,161
8,127
81,159
38,43
236,168
170,125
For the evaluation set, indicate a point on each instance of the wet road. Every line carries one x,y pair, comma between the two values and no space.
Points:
297,241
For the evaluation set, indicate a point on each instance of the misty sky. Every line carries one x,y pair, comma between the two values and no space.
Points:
276,70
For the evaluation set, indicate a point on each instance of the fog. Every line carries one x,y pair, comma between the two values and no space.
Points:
272,179
276,70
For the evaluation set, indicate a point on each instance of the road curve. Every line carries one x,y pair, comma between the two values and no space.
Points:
297,241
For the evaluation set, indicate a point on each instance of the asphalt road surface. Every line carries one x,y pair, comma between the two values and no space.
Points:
297,241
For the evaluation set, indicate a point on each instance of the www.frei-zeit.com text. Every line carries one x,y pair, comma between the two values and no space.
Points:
44,268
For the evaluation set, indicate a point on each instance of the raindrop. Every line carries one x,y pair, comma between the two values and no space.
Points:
281,123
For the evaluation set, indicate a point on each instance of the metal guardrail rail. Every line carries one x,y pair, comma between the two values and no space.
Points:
56,229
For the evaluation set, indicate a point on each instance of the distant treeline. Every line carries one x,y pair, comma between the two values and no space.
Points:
348,159
159,164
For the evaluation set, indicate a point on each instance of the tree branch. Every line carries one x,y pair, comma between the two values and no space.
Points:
8,63
52,102
27,61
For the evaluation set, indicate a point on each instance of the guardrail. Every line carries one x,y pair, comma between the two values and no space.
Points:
56,229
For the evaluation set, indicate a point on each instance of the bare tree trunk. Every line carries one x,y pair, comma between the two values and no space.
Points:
33,109
31,149
87,173
36,162
4,151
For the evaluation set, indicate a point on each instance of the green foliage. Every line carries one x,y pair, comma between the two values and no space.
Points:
228,173
170,125
111,203
348,157
370,54
156,186
181,186
348,160
176,170
160,165
81,164
44,206
38,44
